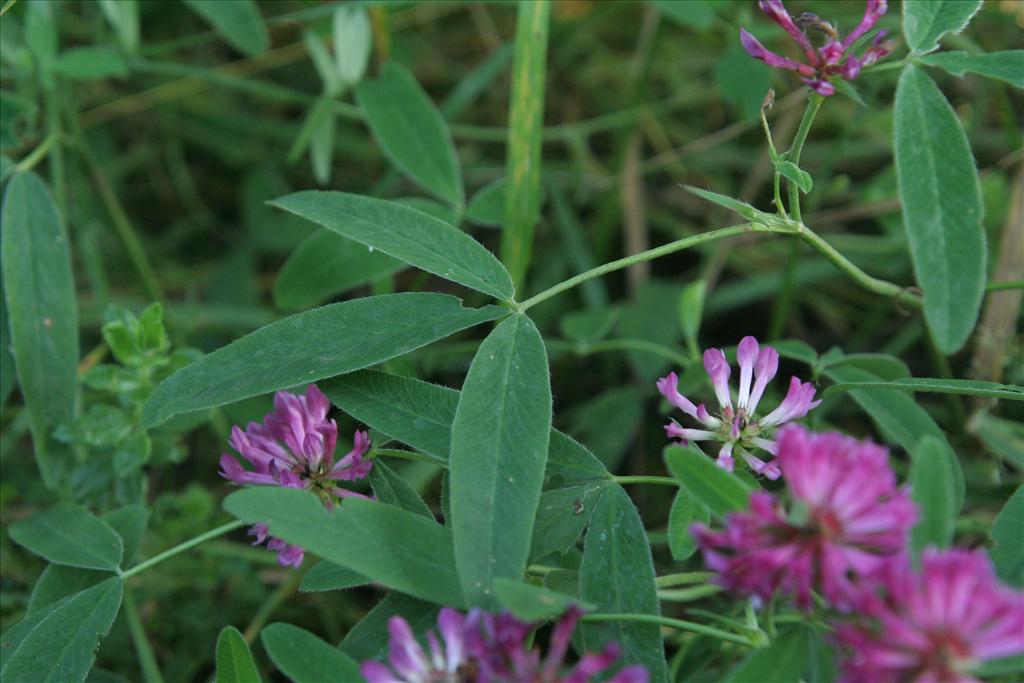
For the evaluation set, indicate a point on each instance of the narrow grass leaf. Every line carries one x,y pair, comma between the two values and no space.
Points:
498,453
57,644
686,511
1008,534
233,658
69,534
526,123
239,22
41,311
304,658
942,208
722,492
310,346
933,488
409,235
411,131
90,63
617,575
400,549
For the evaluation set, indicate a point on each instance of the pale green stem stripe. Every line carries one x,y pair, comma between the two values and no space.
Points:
683,578
664,481
182,547
672,623
147,660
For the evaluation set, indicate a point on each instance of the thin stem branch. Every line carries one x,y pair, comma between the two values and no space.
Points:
648,255
642,479
147,660
36,155
672,623
267,609
582,348
182,547
813,105
682,579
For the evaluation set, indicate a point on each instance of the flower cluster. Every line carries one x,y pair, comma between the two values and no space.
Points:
845,536
480,647
294,447
737,426
833,59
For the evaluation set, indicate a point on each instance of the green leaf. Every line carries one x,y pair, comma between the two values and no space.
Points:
407,234
234,661
525,137
101,427
400,549
686,510
391,489
965,387
487,206
58,582
7,371
691,310
328,576
1008,534
742,208
782,662
326,265
562,515
898,417
1004,438
69,534
1007,65
795,174
352,42
1014,664
43,319
369,638
926,21
310,346
411,131
722,492
325,69
696,14
58,643
123,15
533,603
498,453
942,207
130,524
933,488
239,22
304,658
321,147
90,63
617,575
882,365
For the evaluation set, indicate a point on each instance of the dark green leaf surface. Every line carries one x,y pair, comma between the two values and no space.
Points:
498,453
617,575
328,576
304,658
533,603
41,311
69,534
58,582
965,387
781,662
562,515
942,208
369,638
239,22
90,63
400,549
933,488
925,21
407,234
1008,534
1005,66
391,489
326,265
130,524
487,206
411,131
57,644
722,492
310,346
685,512
234,661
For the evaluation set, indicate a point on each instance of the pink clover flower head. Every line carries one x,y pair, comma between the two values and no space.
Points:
479,647
737,426
294,447
848,518
933,625
834,58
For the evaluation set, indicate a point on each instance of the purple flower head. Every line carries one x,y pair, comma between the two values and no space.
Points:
933,625
738,427
294,447
490,648
833,59
848,518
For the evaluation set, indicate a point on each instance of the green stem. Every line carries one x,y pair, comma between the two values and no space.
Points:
641,345
1007,284
648,255
147,660
182,547
36,155
868,282
813,105
664,481
268,608
671,623
682,579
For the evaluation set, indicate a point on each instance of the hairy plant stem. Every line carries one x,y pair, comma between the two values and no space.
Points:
813,105
182,547
673,623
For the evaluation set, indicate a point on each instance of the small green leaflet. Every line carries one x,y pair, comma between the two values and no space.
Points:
533,603
1007,65
234,661
722,492
1008,534
239,22
933,488
304,658
69,534
781,662
926,21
